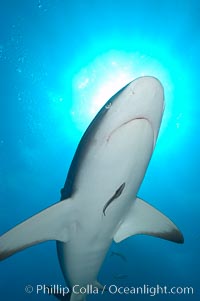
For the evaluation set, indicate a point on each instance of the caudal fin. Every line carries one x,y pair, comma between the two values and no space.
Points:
77,297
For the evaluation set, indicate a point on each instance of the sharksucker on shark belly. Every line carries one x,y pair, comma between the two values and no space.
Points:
115,196
104,178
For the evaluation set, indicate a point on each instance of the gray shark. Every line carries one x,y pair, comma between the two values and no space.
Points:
99,200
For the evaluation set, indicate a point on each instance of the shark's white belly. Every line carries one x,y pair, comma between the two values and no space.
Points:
82,257
102,172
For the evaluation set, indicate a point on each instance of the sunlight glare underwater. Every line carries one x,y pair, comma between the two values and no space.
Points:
103,76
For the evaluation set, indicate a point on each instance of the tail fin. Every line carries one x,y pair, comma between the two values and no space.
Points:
77,297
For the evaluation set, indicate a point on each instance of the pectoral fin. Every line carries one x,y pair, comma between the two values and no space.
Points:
53,223
144,219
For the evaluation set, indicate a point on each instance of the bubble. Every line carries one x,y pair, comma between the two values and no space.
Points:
39,4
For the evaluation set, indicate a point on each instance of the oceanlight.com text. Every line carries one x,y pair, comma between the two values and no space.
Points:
112,289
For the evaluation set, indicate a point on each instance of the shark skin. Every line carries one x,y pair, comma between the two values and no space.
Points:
99,200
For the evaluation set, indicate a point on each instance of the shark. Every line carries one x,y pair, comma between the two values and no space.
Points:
99,201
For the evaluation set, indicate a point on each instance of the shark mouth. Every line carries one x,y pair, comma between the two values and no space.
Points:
131,120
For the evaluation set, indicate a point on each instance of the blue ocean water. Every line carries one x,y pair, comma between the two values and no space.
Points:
59,62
